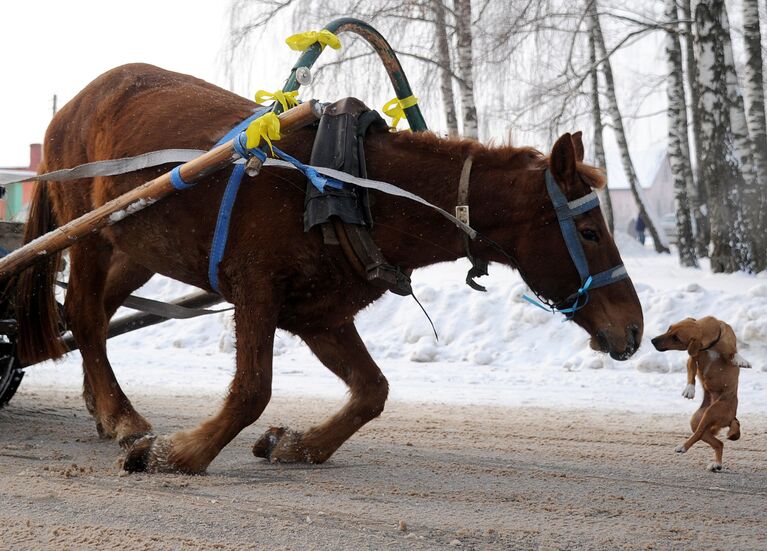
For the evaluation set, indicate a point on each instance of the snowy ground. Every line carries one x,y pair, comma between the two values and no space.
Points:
493,348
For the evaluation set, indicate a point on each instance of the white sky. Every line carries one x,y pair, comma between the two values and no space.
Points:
58,47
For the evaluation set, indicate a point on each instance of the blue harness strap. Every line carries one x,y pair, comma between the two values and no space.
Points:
566,211
221,233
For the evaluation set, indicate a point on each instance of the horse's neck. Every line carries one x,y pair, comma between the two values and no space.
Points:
414,236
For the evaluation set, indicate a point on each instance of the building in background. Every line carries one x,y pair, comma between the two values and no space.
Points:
657,189
17,196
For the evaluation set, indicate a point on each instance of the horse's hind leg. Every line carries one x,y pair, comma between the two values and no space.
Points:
192,451
343,352
87,296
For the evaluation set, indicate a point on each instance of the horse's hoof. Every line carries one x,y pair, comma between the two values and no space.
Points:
266,444
138,455
714,467
680,449
127,442
102,432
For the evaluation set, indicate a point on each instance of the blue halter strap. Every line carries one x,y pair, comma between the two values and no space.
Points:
566,211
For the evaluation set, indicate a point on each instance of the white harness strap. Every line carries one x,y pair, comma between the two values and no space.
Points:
112,167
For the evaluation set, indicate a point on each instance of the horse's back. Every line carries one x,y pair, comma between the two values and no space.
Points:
135,109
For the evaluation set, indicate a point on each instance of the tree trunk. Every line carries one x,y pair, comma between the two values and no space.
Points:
465,66
748,197
697,194
443,59
720,170
754,91
620,135
678,145
596,119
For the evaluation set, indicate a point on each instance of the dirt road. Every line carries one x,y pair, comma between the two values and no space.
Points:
421,477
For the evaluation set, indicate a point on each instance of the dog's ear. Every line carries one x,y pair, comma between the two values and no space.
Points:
693,347
711,329
728,344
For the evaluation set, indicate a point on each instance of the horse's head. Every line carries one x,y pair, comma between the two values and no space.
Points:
568,256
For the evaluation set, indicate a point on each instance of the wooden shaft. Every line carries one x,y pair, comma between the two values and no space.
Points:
141,197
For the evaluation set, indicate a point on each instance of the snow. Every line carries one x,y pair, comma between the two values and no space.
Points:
493,348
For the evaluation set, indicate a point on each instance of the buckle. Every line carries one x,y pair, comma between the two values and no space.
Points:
462,213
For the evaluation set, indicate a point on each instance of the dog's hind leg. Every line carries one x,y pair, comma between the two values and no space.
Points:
342,351
734,432
718,446
710,417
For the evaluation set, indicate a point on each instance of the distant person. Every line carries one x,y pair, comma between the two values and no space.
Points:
640,228
631,228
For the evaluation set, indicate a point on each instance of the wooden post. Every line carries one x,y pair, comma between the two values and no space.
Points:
141,197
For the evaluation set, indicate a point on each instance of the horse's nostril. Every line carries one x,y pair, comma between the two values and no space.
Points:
633,336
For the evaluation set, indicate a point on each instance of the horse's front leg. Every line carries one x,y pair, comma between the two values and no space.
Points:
191,451
342,351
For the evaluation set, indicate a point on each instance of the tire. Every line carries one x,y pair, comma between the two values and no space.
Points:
10,372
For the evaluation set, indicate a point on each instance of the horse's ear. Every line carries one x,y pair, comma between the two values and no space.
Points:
562,161
578,144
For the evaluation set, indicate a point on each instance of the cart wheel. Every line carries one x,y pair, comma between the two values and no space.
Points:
10,372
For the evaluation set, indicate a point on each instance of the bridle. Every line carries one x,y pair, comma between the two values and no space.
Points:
565,211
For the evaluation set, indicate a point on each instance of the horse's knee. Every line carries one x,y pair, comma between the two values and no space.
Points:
249,407
372,399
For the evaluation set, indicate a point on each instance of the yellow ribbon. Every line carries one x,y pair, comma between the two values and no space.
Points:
266,127
395,108
302,41
286,99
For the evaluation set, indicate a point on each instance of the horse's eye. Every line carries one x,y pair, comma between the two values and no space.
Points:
675,338
590,235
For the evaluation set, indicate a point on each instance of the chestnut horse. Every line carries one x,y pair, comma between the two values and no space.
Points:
274,273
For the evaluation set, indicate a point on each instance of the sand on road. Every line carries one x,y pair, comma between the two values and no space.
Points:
423,476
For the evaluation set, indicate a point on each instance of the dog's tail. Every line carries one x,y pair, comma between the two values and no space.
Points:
734,432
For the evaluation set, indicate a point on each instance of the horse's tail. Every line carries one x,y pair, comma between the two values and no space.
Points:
37,313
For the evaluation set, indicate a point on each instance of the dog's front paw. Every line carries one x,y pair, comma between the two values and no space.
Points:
714,467
680,449
689,392
741,362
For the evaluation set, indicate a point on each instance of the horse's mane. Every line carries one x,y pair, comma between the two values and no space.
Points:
501,156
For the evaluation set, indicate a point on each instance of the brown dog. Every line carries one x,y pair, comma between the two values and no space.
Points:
712,347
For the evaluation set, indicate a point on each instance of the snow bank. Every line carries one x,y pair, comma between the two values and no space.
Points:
493,347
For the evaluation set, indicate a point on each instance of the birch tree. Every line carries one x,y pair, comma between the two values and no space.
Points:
754,92
678,145
443,58
465,66
747,196
696,193
620,136
596,119
721,168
